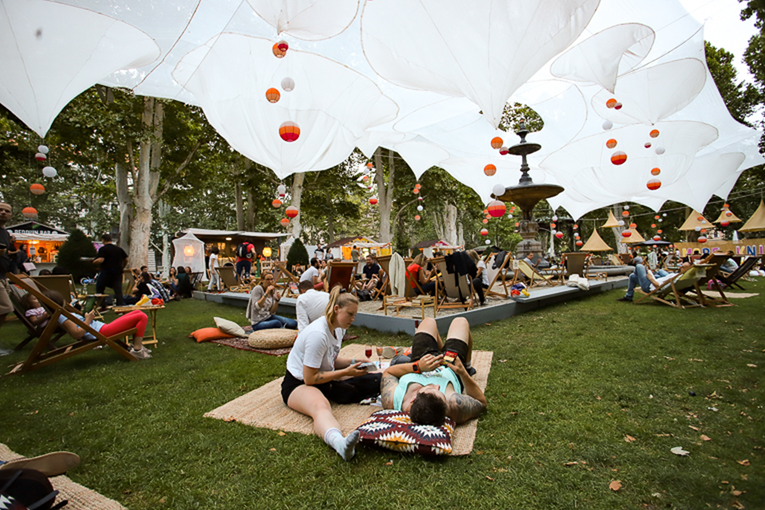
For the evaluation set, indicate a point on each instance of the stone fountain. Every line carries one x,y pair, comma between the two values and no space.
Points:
526,195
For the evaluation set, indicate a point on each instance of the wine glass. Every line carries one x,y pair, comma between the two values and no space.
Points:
379,353
368,352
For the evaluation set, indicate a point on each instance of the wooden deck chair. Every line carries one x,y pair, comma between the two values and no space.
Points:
288,279
614,260
458,287
341,273
534,277
497,277
228,278
410,300
32,331
384,287
731,280
128,281
674,290
575,263
38,358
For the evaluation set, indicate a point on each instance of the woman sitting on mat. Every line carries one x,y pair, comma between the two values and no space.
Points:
135,319
315,375
261,309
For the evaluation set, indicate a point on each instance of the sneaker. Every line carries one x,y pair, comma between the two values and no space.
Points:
142,353
625,299
391,352
50,464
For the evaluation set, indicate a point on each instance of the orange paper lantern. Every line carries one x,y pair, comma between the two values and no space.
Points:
660,231
653,225
496,142
276,203
611,143
484,221
284,222
496,208
417,217
657,238
29,212
653,184
655,171
611,103
289,131
490,170
618,158
702,239
278,52
579,243
370,165
291,211
373,201
273,95
37,189
656,217
416,191
633,225
654,133
552,225
625,213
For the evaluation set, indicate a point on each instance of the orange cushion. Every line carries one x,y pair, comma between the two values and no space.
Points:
207,334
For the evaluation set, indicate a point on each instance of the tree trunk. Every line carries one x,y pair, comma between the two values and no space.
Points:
385,193
297,194
239,203
125,205
331,229
250,211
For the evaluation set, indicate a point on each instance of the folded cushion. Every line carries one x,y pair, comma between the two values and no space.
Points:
394,430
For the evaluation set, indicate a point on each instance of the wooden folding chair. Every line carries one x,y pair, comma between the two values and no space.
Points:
409,300
287,277
455,286
128,282
674,290
534,277
497,276
228,278
38,358
732,279
33,331
384,287
341,273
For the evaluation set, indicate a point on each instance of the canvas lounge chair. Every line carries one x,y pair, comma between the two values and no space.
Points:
341,273
38,358
289,282
497,284
714,262
228,277
534,277
410,300
458,288
731,280
674,291
33,331
578,263
384,287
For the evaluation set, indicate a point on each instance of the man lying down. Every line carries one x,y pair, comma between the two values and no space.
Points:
436,383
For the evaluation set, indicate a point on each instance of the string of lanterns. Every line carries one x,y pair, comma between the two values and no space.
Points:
289,131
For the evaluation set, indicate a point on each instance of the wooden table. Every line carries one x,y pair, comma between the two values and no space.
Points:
151,311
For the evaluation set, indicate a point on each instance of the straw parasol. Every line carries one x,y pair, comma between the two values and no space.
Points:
757,221
724,216
693,221
595,243
612,222
634,238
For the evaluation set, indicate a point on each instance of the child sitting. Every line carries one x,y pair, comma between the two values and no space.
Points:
36,313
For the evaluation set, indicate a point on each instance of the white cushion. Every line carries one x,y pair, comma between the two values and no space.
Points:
230,327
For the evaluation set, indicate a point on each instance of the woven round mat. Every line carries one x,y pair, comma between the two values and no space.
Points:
272,338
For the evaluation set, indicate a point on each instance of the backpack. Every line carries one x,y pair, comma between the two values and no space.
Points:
27,489
242,252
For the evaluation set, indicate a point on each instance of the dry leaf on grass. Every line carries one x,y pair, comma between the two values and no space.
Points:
229,419
490,478
389,463
615,485
744,462
705,437
272,449
736,493
694,428
569,464
751,365
738,505
282,433
629,438
678,450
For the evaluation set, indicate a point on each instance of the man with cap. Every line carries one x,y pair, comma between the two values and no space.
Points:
645,278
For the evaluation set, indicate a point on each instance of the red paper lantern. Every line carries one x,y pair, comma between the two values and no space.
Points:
626,233
37,189
484,232
497,142
618,158
273,95
647,145
503,151
654,133
496,208
657,238
291,211
579,243
490,170
702,239
417,217
29,212
724,223
611,143
282,45
653,184
278,52
618,106
728,213
276,203
373,201
40,156
289,131
611,103
655,171
284,222
559,235
484,221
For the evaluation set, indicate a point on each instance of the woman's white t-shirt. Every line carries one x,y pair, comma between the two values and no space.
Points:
213,262
316,347
484,275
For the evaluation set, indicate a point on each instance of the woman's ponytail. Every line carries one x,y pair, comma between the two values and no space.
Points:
339,298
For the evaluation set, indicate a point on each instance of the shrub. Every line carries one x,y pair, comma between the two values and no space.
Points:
78,245
297,254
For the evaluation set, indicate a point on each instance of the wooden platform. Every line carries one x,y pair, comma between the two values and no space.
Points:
539,298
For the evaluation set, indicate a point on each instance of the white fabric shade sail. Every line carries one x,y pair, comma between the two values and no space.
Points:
428,79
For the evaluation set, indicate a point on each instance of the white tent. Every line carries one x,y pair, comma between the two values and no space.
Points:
189,251
631,111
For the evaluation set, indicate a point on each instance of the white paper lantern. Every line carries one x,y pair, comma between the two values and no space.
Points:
621,223
697,229
419,208
608,125
488,242
665,215
42,148
555,218
659,150
288,84
49,171
281,189
498,190
626,208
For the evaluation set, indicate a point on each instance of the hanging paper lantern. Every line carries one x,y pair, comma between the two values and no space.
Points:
496,208
419,198
555,218
49,171
618,106
700,218
37,189
369,188
490,170
625,213
552,225
657,238
496,142
608,125
660,219
633,225
728,214
276,203
703,231
289,131
659,150
647,145
659,231
653,184
626,233
697,229
419,208
618,158
42,148
654,133
417,217
576,227
579,243
418,185
284,222
503,150
416,191
665,215
488,216
370,165
40,156
281,189
365,178
278,53
373,201
724,223
291,211
724,205
702,239
559,235
611,103
29,212
516,224
498,190
283,46
656,217
484,232
611,143
653,225
655,171
620,223
576,236
273,95
626,208
485,221
288,84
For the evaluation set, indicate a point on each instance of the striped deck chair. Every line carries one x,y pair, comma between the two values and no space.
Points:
674,290
497,277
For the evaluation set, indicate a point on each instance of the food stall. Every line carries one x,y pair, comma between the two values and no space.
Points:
228,240
341,249
40,241
428,247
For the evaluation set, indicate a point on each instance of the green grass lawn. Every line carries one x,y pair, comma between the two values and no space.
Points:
569,383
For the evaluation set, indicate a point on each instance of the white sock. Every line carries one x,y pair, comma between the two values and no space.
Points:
344,446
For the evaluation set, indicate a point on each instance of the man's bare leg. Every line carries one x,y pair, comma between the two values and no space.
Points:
459,329
430,327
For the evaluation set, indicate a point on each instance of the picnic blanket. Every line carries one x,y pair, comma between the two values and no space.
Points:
80,498
263,407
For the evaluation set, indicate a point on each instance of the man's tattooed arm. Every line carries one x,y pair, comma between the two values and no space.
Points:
462,408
